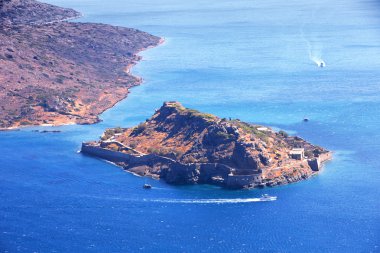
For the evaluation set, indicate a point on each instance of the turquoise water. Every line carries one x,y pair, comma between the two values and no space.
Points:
252,60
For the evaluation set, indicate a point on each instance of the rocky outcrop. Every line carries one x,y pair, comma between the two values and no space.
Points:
184,146
56,72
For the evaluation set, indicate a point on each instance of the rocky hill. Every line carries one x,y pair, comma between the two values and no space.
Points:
184,146
57,72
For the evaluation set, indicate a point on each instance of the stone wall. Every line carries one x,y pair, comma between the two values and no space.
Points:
112,156
175,172
317,163
325,157
243,181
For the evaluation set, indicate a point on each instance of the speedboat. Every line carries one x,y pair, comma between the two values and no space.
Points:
147,186
266,197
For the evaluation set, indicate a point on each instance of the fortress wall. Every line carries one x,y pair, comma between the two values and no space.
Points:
176,172
246,172
325,157
113,156
317,163
241,181
314,164
116,156
209,170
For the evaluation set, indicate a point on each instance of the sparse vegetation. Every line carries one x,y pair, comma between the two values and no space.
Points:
225,136
189,159
283,134
24,123
197,114
317,151
309,153
139,129
152,150
110,132
113,147
39,59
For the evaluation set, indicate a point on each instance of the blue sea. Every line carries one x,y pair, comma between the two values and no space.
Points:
255,60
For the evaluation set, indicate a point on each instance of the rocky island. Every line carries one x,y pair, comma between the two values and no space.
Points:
185,146
55,72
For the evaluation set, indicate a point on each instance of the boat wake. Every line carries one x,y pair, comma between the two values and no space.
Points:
186,201
312,39
207,201
314,50
318,61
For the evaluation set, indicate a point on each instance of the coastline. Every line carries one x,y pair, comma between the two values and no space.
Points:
60,123
128,71
185,146
101,70
119,159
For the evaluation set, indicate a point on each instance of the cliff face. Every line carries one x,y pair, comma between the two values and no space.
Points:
57,72
184,146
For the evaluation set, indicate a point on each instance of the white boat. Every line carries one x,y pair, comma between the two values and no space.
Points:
266,197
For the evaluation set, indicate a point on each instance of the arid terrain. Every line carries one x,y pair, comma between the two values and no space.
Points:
57,72
184,146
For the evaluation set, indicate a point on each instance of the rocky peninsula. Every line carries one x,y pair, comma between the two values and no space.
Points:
55,72
184,146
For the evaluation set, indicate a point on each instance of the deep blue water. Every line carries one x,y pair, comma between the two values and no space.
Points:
244,59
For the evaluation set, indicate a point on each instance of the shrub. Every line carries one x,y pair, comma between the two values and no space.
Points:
113,147
223,135
24,123
163,151
118,130
152,150
60,79
283,134
203,160
317,152
9,56
139,129
190,159
309,153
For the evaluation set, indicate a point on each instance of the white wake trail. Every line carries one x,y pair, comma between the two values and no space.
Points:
205,201
314,46
183,201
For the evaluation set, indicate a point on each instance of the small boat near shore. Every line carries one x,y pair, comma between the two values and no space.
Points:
147,186
266,197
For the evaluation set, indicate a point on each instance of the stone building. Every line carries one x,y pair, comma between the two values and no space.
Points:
297,153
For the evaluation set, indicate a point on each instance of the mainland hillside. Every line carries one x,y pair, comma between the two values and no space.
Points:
58,72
